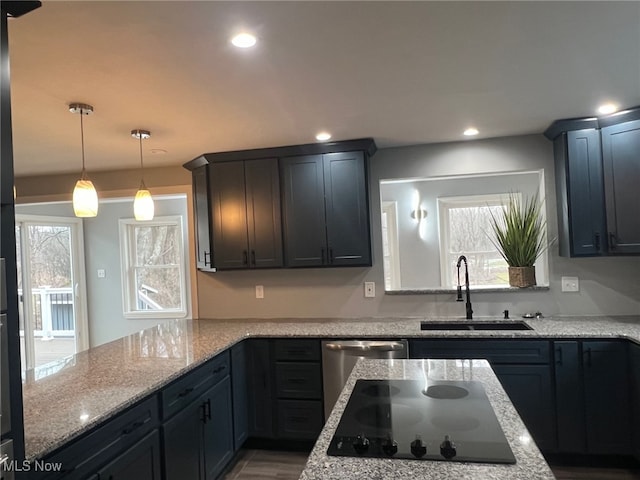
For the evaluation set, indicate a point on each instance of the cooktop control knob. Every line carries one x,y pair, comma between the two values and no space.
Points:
389,447
418,448
361,444
448,448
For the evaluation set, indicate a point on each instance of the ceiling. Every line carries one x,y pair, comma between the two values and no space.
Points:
400,72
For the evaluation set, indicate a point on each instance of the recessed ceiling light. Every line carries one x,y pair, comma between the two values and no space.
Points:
607,108
244,40
323,136
470,132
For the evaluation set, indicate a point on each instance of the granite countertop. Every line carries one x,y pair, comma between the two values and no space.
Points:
530,464
64,401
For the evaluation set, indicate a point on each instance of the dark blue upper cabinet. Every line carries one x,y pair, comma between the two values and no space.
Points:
597,170
293,206
580,193
621,160
326,210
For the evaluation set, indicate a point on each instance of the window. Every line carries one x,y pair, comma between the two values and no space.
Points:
153,267
465,229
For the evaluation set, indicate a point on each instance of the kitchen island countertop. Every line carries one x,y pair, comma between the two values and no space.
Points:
65,400
530,464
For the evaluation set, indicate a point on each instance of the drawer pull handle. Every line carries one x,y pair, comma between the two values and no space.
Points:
185,392
297,381
298,419
134,426
219,369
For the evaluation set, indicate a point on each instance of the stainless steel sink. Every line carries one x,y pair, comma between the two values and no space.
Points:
475,325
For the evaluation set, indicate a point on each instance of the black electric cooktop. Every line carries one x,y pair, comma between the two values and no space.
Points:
447,420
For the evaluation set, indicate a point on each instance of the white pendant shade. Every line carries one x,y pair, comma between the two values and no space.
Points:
143,205
85,199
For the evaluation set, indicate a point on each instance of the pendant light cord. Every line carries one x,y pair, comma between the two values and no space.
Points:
142,185
84,173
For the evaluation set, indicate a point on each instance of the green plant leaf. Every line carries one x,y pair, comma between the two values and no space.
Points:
520,231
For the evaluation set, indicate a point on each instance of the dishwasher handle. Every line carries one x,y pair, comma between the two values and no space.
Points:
366,347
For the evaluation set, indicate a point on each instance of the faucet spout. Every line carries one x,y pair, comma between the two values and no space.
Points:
463,259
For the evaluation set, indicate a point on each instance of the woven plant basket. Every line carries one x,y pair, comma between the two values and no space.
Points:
522,276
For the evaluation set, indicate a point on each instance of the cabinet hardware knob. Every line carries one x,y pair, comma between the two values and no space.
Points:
612,241
253,257
559,356
245,259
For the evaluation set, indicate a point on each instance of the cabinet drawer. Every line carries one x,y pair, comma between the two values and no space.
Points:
297,350
496,351
185,390
298,380
299,419
85,455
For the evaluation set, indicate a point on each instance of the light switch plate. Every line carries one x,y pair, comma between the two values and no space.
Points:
570,284
101,273
369,289
259,291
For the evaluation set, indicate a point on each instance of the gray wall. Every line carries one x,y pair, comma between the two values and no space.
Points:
607,285
102,251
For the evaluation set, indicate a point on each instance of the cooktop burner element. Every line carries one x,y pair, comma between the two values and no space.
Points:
444,420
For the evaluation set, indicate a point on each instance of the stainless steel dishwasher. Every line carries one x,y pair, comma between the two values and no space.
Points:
340,356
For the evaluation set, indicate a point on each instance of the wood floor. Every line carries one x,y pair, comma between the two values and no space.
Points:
272,465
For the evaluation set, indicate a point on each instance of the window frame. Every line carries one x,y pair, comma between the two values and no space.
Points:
127,263
462,201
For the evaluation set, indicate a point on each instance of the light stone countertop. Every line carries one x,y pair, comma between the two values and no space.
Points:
64,401
530,464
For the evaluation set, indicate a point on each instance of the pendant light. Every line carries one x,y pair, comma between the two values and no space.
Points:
85,197
143,203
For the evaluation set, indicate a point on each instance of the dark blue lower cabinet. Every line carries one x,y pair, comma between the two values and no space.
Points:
530,389
218,429
607,397
142,461
198,442
239,393
183,445
593,397
569,398
634,362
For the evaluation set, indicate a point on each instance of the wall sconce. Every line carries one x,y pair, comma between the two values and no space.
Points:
143,204
419,214
85,197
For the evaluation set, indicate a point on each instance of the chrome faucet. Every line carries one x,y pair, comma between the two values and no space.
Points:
461,259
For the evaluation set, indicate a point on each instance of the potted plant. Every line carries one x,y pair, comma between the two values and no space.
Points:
520,237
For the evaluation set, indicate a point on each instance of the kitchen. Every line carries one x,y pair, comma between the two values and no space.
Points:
606,287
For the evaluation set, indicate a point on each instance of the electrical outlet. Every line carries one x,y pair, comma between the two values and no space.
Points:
570,284
101,273
259,291
369,289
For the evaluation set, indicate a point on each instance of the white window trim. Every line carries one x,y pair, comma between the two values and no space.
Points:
126,257
391,210
444,203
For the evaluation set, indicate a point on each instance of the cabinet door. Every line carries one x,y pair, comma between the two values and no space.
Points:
140,461
217,428
347,209
201,212
183,444
264,222
607,397
635,386
620,150
239,394
261,400
569,398
585,192
305,241
229,212
529,389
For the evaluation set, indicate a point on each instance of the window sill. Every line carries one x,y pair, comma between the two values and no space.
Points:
154,315
475,291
